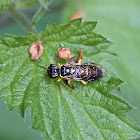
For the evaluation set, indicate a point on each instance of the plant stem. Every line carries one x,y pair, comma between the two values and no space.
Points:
4,21
37,16
22,19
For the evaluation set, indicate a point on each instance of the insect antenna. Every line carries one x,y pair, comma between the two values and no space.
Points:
42,66
41,80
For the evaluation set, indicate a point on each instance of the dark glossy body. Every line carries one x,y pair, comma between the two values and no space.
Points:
88,72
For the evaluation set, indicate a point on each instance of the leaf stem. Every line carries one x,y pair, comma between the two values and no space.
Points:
22,19
37,16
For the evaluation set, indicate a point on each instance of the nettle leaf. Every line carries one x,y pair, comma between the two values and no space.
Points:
92,111
4,4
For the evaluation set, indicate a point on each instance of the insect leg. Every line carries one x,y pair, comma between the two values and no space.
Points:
80,61
84,82
59,64
68,83
59,80
68,61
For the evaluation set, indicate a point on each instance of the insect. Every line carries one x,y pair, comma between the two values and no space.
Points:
84,72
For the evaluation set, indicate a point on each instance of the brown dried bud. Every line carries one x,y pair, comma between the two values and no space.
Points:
36,50
79,58
79,14
80,55
65,53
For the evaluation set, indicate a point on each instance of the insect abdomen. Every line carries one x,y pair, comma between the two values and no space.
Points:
92,73
78,72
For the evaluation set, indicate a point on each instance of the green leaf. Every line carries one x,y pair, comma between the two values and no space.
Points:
4,4
92,111
78,36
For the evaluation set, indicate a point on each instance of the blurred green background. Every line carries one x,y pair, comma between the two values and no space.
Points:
118,20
